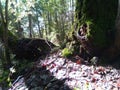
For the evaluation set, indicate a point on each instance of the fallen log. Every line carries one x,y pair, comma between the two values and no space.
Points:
27,48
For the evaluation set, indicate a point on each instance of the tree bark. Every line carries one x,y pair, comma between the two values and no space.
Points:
39,28
31,49
117,38
19,30
100,17
114,50
5,32
30,25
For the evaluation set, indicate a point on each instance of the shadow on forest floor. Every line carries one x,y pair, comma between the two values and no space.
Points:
39,78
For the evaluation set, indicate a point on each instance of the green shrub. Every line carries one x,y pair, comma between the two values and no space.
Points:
66,52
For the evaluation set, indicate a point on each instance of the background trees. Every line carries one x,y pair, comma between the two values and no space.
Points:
48,19
40,18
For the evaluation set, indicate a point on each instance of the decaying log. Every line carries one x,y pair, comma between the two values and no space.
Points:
32,48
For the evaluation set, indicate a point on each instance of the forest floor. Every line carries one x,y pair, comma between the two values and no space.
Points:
58,73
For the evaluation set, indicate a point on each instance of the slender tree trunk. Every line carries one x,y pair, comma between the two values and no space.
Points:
39,28
72,11
5,32
49,22
63,27
19,30
46,30
117,39
6,35
30,25
56,20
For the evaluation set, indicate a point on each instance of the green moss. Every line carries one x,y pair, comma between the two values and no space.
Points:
66,52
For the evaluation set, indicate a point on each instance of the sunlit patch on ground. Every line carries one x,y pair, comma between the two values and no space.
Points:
83,76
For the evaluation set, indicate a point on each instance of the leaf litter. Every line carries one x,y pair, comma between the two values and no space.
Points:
58,73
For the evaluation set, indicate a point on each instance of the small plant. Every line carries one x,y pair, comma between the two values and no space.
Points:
4,78
66,52
76,88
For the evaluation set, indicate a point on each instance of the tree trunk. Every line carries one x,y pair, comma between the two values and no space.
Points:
49,22
5,32
30,25
114,51
72,5
19,30
99,16
39,28
117,39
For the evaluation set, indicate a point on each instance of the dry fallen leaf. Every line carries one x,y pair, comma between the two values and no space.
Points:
78,61
118,82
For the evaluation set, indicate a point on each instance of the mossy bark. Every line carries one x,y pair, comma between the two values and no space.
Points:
100,16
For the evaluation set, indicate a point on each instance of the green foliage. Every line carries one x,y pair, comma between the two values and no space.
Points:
21,65
48,16
66,52
76,88
4,77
